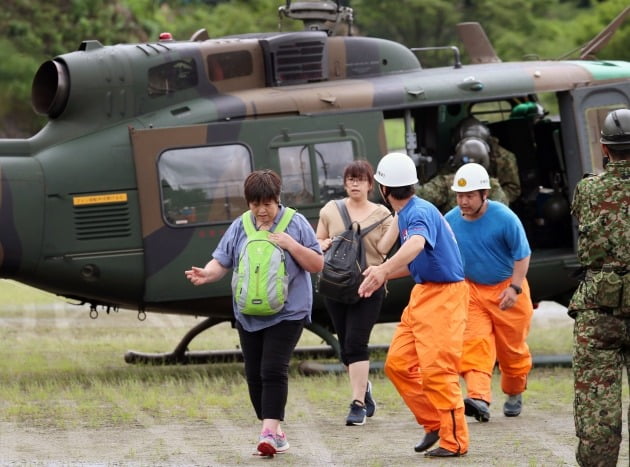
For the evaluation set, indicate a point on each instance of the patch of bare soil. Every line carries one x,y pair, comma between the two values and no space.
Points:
536,438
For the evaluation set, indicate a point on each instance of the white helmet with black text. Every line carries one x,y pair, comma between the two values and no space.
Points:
471,177
396,169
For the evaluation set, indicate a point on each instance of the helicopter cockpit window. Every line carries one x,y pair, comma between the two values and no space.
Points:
229,65
489,112
203,184
313,173
172,77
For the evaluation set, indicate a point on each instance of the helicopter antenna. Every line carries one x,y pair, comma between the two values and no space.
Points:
318,15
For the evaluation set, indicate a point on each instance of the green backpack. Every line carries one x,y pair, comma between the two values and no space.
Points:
260,282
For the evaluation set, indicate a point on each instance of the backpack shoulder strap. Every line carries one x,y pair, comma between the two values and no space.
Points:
248,225
283,223
371,227
345,216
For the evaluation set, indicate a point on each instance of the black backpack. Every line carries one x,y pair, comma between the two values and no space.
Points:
344,261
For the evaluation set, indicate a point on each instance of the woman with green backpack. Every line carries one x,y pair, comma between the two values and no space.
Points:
262,244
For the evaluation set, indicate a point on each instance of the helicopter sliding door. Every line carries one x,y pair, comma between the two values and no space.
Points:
190,184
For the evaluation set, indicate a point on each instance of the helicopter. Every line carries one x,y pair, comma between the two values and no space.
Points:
139,170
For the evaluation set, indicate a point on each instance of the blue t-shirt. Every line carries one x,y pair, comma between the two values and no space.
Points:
300,299
440,260
490,244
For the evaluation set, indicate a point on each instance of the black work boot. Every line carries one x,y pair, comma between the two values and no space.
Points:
513,406
429,440
441,452
477,408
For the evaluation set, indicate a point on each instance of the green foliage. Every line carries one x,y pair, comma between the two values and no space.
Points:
518,29
589,23
33,32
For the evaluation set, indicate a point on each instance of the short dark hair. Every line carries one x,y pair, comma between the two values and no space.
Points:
261,186
401,192
617,153
359,169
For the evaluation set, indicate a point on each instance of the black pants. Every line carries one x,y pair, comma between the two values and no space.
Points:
267,354
353,325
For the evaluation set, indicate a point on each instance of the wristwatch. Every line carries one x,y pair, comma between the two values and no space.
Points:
517,289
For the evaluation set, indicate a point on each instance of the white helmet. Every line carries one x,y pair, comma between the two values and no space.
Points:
396,169
471,177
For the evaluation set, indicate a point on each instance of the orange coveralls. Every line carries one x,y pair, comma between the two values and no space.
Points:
423,360
493,334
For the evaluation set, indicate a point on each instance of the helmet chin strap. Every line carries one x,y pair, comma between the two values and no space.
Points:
480,206
483,201
384,191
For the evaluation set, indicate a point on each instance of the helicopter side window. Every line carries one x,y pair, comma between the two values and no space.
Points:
332,160
229,65
172,77
203,185
313,173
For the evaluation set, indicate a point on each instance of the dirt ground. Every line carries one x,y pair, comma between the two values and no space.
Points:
542,436
536,438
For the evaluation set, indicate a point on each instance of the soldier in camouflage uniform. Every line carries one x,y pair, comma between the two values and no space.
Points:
503,165
438,189
601,303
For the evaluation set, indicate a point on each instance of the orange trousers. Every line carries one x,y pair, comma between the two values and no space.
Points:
423,360
494,334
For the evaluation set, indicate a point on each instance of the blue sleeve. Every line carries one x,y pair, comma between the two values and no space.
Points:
302,231
515,237
417,225
227,250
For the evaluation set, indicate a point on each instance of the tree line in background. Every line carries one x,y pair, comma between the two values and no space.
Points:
33,32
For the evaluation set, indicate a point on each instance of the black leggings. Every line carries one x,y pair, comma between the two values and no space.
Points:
267,354
353,325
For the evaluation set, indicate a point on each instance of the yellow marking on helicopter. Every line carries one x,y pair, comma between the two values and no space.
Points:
99,199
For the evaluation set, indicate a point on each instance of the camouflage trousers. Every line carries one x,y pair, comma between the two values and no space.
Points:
601,349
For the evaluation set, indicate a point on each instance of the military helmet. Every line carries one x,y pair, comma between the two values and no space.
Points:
471,177
472,149
616,129
396,169
471,127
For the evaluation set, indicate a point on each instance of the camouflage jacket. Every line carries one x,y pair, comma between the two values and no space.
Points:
438,191
600,205
504,167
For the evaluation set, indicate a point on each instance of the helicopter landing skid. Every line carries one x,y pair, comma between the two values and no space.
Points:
182,356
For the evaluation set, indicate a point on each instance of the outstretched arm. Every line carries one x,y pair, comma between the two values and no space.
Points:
375,276
212,272
387,241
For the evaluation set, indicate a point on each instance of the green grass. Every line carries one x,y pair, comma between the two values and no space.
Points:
59,368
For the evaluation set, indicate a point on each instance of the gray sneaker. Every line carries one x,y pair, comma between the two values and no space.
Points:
282,444
513,406
370,403
267,444
357,414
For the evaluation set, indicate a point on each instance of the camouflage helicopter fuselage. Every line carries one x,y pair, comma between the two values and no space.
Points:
139,170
